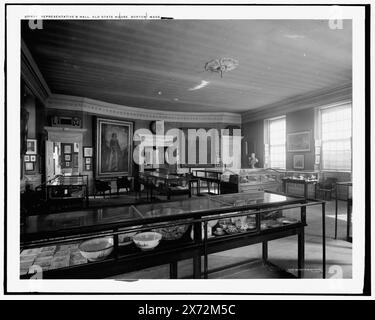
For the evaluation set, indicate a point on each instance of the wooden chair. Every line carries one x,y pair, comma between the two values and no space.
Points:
324,189
123,182
101,187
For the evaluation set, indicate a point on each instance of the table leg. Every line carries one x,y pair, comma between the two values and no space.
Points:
265,251
205,253
324,237
348,220
315,187
197,265
197,262
336,212
115,244
301,253
173,270
305,189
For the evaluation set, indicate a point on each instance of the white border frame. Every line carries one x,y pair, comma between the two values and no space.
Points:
304,286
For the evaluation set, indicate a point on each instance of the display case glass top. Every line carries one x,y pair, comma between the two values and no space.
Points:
258,199
181,207
107,218
79,219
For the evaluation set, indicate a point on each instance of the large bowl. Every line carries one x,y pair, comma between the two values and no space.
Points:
147,240
127,237
96,249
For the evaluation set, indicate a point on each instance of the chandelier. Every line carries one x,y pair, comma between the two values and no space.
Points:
221,65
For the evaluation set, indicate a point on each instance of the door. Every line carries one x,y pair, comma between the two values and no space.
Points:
50,168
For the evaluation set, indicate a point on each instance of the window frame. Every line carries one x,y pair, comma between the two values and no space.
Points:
267,142
319,134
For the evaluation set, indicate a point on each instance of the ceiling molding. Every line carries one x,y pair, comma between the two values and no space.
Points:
66,102
300,102
32,76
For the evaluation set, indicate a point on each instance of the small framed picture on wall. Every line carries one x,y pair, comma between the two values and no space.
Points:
76,147
33,158
88,167
31,146
88,160
299,161
29,166
27,158
67,157
67,165
87,152
67,148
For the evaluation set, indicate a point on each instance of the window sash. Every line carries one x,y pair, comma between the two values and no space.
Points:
336,133
277,142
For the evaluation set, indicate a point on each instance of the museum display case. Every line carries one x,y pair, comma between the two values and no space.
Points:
301,183
251,180
99,243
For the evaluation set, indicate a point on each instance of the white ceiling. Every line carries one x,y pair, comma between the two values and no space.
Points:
153,64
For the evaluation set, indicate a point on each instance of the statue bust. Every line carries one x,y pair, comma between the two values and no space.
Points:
253,160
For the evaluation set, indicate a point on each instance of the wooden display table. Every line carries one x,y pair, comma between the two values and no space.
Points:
72,227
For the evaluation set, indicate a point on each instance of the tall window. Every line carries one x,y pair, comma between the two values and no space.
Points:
336,126
276,135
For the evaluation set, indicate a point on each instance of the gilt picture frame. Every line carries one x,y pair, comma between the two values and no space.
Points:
114,141
298,141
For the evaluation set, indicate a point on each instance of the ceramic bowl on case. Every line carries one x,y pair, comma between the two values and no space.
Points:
127,237
147,240
96,249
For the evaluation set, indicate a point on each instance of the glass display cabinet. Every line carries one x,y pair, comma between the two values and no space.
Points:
186,229
65,191
251,180
165,183
301,183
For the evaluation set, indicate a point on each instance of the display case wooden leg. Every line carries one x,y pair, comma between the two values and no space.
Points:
197,265
301,254
173,270
265,251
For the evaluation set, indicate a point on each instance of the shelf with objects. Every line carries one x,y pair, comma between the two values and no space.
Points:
251,180
100,243
308,179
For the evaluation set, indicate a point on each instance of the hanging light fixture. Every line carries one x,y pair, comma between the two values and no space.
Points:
221,65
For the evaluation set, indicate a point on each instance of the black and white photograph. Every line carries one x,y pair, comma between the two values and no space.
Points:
220,149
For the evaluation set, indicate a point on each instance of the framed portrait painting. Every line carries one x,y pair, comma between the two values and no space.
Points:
298,141
114,140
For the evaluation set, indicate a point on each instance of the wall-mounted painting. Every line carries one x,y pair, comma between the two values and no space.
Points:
298,141
299,161
114,140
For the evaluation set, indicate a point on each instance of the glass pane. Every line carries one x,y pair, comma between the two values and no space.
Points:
277,143
336,138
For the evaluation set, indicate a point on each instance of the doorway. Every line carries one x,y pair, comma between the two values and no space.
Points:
64,152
